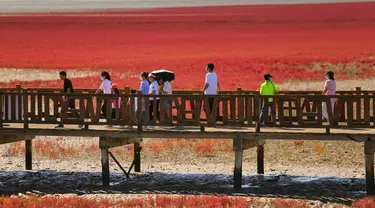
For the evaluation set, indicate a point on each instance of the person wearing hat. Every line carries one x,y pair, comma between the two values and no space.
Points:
329,89
268,88
153,90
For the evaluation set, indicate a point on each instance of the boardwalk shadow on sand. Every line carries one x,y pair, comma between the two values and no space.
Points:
325,189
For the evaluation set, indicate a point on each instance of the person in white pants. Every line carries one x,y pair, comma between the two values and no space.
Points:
329,89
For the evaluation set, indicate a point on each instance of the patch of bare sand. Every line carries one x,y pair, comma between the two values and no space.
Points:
13,74
330,168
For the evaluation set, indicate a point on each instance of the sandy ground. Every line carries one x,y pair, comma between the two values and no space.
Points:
335,170
12,74
8,6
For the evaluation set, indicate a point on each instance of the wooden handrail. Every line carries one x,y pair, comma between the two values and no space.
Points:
179,91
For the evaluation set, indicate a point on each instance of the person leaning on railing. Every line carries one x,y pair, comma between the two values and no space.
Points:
268,88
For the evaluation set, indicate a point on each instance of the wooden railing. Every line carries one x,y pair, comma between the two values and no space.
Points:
126,90
228,110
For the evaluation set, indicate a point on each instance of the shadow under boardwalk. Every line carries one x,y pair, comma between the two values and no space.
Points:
325,189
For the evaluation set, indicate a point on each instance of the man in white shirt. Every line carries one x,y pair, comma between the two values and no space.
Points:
211,86
153,90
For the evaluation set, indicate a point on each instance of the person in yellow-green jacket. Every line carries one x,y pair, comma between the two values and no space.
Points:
268,88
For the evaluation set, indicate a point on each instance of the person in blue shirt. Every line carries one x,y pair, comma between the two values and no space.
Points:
144,88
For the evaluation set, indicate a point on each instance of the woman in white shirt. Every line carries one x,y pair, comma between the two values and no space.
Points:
165,89
154,90
329,89
105,87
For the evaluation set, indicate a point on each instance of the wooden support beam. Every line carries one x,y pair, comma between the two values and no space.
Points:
248,144
4,139
105,160
28,155
369,167
137,157
238,155
117,142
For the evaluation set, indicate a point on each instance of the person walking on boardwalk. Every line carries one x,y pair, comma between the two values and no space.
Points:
154,90
166,89
268,88
211,86
329,89
105,87
68,88
144,87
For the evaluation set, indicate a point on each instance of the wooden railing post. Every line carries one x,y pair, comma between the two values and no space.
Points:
25,110
127,90
18,107
359,106
140,116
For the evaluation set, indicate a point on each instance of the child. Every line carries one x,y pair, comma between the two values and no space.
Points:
117,102
135,113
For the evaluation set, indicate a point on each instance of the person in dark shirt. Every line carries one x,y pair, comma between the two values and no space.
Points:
68,88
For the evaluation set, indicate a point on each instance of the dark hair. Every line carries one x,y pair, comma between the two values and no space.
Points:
330,75
267,76
116,91
63,73
106,75
210,66
133,91
144,74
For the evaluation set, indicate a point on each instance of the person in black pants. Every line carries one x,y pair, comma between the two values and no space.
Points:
154,90
68,87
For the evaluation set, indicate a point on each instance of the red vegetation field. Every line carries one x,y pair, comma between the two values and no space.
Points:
243,41
150,201
161,201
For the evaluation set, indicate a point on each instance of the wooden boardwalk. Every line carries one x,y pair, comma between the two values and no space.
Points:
27,113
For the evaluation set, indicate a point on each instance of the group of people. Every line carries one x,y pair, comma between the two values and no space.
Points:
150,85
270,88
